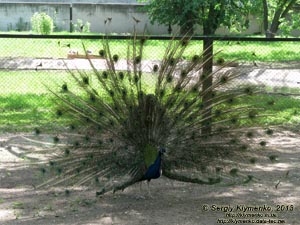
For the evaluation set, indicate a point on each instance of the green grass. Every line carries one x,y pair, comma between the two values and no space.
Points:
30,82
259,51
25,102
285,110
154,49
25,112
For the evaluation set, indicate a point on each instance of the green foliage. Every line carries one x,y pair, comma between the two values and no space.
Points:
277,15
154,49
80,26
42,23
209,14
287,25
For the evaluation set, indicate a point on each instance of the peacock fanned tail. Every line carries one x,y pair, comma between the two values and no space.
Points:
121,116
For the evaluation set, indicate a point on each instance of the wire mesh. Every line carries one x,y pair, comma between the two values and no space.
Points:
30,65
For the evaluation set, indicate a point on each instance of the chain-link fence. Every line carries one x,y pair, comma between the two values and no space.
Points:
30,64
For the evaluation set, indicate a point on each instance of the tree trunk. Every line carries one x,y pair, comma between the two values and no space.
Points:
269,34
265,18
207,70
209,28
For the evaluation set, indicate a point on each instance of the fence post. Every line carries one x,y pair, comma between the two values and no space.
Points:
71,18
207,83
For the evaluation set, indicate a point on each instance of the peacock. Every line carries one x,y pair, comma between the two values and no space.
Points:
153,170
120,124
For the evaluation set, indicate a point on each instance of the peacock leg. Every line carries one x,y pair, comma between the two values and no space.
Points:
117,187
141,186
149,192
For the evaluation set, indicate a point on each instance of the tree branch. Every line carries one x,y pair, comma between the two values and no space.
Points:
279,13
288,8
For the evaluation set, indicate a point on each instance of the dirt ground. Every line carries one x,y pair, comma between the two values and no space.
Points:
274,198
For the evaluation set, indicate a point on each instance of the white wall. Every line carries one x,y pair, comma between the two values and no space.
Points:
10,14
122,21
121,14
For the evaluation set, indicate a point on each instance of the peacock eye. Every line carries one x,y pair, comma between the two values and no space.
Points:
172,61
67,152
230,100
143,40
263,143
59,113
43,170
224,79
248,91
111,93
269,131
102,53
196,58
250,134
271,102
233,172
141,94
136,79
203,77
92,98
85,80
184,42
234,120
155,68
55,139
64,87
121,75
183,74
252,115
162,93
137,60
37,131
115,58
220,61
111,123
104,74
86,138
169,78
76,144
124,93
67,192
195,89
218,112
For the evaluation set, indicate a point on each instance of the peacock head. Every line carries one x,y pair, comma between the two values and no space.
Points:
162,150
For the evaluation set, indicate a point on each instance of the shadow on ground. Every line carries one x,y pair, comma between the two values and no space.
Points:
277,188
